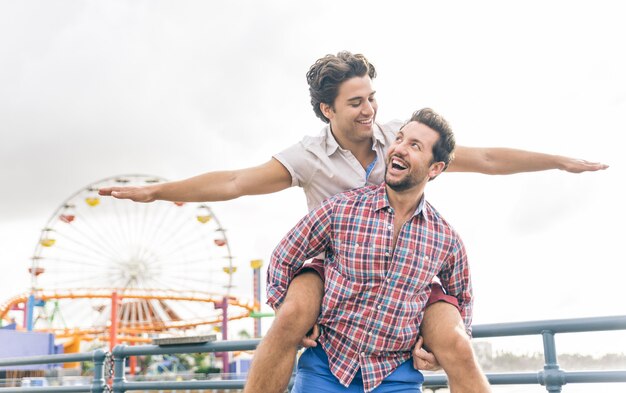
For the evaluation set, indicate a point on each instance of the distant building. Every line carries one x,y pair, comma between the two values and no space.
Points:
14,343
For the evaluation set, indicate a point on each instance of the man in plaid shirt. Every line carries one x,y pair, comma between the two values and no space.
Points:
384,246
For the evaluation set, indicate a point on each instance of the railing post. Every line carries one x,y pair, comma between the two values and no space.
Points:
551,377
98,383
119,377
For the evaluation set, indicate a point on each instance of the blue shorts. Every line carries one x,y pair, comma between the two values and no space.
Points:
314,376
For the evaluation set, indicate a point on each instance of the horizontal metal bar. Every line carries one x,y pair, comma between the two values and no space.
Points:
595,376
494,379
533,378
51,389
218,346
179,385
555,325
47,359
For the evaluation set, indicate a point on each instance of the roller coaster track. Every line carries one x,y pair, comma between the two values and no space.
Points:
241,309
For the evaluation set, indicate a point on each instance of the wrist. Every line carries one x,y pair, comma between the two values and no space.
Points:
560,162
153,192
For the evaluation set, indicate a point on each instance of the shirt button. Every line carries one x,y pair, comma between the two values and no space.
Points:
426,258
356,245
369,333
363,354
378,307
390,227
388,281
387,254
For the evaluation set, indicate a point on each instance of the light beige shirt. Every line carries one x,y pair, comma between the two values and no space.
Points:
322,168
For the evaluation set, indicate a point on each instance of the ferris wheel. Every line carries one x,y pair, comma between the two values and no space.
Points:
170,262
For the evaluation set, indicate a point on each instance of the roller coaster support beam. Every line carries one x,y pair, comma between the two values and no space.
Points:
30,311
115,302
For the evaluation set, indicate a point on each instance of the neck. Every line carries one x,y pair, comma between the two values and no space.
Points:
404,203
361,149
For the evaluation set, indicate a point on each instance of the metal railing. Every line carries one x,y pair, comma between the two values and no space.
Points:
98,383
552,377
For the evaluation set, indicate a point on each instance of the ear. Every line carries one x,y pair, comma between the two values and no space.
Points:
435,169
327,110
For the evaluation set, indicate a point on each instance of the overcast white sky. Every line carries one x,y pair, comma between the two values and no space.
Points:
92,89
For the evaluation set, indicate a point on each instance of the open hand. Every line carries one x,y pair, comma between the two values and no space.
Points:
574,165
137,194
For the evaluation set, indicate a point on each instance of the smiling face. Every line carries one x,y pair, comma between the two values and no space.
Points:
352,114
410,158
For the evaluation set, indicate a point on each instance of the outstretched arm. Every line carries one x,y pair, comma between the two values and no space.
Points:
504,161
212,186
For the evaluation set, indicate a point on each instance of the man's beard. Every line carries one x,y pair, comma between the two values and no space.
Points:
406,183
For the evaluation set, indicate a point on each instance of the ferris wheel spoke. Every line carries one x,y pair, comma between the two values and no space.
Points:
66,261
143,229
83,253
132,212
95,248
182,262
66,273
182,246
117,219
92,256
109,223
98,225
157,227
102,231
142,219
99,222
164,229
81,280
122,280
188,279
177,229
191,251
158,283
205,285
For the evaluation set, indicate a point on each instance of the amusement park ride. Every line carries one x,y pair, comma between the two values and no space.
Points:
108,271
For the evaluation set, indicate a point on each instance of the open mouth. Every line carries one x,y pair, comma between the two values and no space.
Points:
367,122
398,164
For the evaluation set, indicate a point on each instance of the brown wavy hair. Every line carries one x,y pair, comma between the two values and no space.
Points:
327,74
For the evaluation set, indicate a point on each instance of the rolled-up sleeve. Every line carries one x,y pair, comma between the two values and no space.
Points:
307,239
457,281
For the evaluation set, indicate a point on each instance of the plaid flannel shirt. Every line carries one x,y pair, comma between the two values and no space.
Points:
374,295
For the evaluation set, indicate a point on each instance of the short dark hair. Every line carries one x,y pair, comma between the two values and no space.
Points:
325,76
443,149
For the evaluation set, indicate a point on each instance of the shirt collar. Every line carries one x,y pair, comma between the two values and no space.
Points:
381,201
332,145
